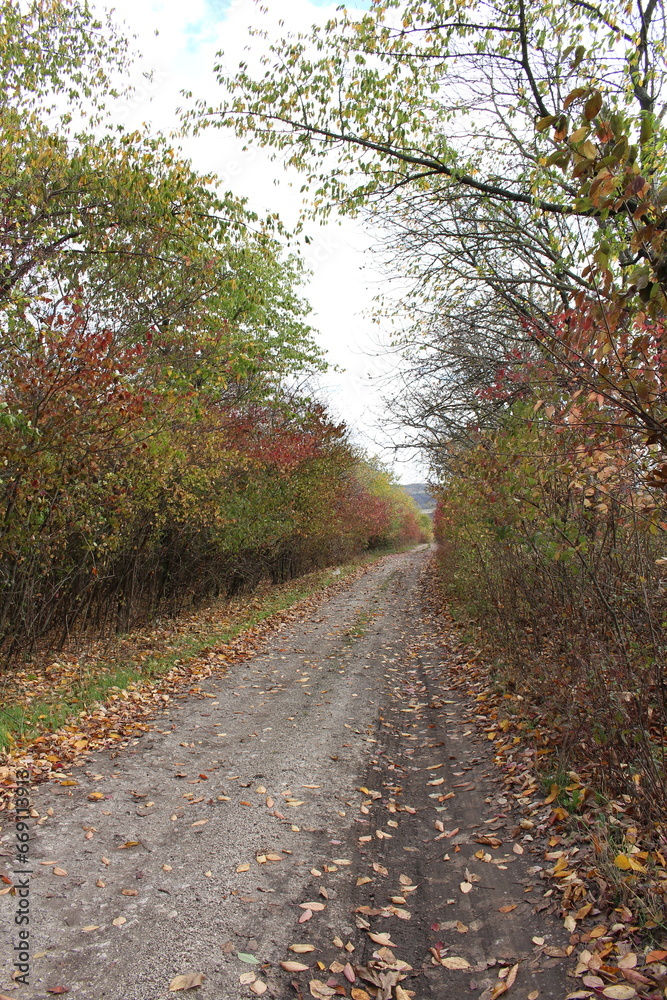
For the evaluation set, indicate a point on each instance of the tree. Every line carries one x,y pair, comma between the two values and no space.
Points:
512,151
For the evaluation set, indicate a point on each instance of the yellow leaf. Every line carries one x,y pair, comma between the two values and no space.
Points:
553,793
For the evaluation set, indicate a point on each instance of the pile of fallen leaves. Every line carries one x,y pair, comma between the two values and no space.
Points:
605,875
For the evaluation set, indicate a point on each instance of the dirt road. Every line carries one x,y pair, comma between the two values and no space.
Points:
332,769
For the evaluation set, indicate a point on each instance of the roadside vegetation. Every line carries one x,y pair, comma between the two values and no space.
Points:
157,444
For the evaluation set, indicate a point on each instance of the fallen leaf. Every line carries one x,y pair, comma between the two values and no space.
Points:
507,908
246,978
128,843
552,796
59,871
187,982
364,880
383,939
243,956
89,928
306,915
119,921
321,991
655,956
302,949
454,962
358,994
243,868
259,987
96,796
465,886
294,966
626,863
313,906
619,992
57,989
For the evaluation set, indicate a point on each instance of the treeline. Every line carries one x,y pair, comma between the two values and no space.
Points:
519,184
153,446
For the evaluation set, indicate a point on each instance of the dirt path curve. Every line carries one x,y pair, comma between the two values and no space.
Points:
320,770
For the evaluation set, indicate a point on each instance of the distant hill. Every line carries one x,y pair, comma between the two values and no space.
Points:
420,494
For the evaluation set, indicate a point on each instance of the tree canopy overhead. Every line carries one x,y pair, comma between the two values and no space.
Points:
513,154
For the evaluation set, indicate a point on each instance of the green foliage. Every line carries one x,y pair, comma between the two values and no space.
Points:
152,451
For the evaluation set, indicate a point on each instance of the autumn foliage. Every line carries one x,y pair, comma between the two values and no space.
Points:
121,491
154,449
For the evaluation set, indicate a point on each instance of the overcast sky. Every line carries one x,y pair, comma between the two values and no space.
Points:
343,284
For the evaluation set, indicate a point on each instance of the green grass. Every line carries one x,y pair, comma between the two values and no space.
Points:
97,682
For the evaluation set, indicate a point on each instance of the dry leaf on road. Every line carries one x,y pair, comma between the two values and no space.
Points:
187,982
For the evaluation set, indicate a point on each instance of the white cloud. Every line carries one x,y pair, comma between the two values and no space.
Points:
181,57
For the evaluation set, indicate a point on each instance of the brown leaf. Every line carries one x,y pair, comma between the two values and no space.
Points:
384,939
454,962
293,966
59,871
187,982
592,106
320,990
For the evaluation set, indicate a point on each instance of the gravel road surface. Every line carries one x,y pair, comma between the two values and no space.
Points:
319,771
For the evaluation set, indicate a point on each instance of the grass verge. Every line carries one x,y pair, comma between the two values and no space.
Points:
41,698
